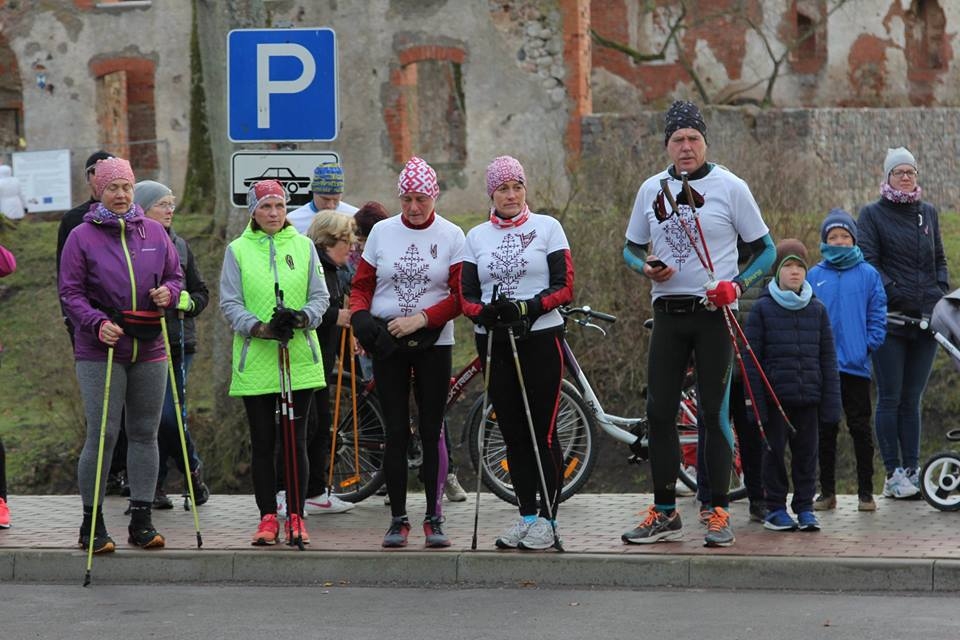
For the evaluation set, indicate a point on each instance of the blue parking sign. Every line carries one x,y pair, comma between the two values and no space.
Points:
281,85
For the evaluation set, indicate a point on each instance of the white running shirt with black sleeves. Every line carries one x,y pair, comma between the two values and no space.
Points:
729,210
413,267
515,258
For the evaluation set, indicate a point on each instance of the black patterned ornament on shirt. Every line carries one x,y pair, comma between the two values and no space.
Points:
410,279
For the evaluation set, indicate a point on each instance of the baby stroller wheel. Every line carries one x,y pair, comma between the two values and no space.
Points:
940,481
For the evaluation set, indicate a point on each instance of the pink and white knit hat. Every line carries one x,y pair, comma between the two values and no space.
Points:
262,190
418,177
106,171
503,169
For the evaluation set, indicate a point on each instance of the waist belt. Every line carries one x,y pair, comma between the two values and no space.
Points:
678,305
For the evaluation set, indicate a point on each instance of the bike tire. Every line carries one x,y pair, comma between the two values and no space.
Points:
940,481
738,488
576,431
349,483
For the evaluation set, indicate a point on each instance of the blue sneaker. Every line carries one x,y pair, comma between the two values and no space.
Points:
780,520
808,521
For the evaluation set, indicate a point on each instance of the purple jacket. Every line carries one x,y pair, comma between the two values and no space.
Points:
96,267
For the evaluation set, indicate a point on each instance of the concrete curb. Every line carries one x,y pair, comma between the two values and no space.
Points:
484,569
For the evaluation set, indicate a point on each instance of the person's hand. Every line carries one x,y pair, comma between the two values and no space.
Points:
657,270
343,318
405,325
720,293
185,303
488,316
160,296
511,311
109,333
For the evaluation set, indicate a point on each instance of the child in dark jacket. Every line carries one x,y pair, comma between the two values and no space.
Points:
852,291
790,333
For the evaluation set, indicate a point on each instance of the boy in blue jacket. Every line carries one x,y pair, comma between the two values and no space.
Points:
852,290
790,333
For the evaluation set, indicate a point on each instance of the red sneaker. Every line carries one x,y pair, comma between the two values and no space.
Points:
267,532
4,514
296,527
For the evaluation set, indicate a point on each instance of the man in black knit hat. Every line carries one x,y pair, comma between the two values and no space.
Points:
685,242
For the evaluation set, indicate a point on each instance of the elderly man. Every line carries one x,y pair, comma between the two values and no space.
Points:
685,241
327,190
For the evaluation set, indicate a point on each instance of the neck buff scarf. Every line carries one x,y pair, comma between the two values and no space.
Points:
505,223
102,214
902,197
841,257
791,299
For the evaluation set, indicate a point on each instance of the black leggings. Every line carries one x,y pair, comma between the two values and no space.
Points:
541,361
430,371
262,416
675,336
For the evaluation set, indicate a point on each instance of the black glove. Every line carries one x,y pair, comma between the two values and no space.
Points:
511,311
263,331
376,340
488,316
281,324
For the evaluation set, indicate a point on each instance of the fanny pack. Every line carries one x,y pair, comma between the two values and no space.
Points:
142,325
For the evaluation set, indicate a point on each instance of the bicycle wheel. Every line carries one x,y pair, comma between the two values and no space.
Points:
687,473
358,470
575,433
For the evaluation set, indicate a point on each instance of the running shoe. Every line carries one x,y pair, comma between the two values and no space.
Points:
541,535
866,503
267,531
706,512
808,521
296,527
200,490
434,537
4,514
453,490
145,536
719,531
396,535
899,486
326,502
656,526
779,520
758,511
161,500
102,542
510,538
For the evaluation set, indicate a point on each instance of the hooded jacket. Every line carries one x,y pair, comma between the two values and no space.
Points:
113,264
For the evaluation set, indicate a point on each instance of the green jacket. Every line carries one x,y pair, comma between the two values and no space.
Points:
253,264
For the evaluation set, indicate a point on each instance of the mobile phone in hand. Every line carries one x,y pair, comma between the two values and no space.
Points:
657,264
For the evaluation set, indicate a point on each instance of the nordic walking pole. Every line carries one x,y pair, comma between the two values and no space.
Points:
287,422
481,437
180,427
96,483
336,406
547,499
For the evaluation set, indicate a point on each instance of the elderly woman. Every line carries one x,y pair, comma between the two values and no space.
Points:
158,203
333,235
117,270
270,254
900,236
526,257
404,297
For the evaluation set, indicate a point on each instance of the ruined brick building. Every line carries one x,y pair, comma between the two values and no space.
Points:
460,81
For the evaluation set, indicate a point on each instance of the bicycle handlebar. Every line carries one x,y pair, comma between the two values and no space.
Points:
908,321
587,312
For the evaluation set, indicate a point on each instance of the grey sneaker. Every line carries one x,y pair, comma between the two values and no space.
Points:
656,527
453,490
396,535
719,532
434,537
510,538
541,535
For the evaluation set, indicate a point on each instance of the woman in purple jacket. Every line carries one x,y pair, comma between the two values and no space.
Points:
117,267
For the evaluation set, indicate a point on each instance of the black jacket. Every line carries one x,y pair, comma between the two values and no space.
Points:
328,333
197,288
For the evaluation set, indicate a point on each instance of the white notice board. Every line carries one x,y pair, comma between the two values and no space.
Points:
44,178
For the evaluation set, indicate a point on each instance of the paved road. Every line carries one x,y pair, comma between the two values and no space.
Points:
238,613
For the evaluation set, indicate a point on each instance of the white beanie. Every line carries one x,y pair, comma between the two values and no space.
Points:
896,157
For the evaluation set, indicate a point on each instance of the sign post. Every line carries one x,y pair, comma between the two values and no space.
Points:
282,85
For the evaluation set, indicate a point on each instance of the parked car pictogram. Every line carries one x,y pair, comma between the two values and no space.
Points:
290,181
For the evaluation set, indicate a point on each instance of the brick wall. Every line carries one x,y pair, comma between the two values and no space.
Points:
824,157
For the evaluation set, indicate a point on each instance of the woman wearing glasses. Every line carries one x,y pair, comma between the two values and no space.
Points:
158,203
900,236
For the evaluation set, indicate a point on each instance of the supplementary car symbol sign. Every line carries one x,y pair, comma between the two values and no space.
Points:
290,181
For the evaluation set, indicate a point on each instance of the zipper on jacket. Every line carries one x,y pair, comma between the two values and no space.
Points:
310,334
133,283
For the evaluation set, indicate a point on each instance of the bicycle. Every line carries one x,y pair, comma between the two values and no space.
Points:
579,416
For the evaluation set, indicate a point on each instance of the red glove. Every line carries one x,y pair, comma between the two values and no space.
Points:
723,293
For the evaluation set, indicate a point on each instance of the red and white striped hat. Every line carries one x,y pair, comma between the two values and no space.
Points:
418,177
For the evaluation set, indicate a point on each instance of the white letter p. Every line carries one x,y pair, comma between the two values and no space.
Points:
266,87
